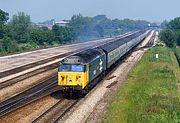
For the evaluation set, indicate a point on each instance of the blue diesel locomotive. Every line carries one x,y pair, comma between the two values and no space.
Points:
81,71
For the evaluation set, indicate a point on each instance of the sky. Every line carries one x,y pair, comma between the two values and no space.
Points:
41,10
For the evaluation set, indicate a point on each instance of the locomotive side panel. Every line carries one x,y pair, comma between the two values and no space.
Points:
97,66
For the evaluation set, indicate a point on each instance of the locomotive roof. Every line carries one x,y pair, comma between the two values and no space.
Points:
85,56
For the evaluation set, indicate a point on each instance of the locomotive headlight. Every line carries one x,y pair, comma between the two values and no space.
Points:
62,76
78,76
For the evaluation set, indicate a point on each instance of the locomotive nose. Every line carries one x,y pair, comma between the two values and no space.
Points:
70,79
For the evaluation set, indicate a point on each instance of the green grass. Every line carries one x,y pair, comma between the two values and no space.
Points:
149,93
176,61
177,53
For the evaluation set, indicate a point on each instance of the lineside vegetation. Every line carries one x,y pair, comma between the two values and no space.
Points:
170,34
177,53
149,94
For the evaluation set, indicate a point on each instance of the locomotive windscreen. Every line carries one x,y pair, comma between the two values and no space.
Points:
71,68
77,68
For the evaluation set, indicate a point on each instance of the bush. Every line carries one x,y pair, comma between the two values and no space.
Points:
168,37
178,40
160,44
177,53
7,45
27,46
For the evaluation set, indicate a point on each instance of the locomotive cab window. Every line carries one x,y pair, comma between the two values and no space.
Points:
65,67
72,68
77,68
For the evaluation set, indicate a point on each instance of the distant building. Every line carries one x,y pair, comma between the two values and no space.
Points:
62,22
50,23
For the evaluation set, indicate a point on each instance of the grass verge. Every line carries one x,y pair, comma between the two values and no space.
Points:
149,93
177,53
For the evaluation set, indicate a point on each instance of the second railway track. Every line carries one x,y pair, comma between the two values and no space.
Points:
56,112
45,88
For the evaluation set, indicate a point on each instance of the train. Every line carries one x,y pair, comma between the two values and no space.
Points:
80,72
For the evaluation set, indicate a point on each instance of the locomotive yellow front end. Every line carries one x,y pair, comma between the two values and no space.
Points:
72,74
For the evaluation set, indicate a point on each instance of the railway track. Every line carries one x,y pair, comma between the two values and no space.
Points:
45,88
27,75
151,41
34,64
57,111
149,44
31,65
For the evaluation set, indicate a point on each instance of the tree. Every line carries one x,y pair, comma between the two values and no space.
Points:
58,33
99,30
115,23
8,45
81,26
164,24
62,34
76,24
99,18
68,35
4,16
106,26
178,40
20,26
169,37
174,24
41,36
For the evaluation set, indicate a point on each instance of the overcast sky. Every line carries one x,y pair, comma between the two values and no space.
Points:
41,10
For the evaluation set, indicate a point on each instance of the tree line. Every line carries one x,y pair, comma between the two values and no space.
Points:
171,32
101,26
20,33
